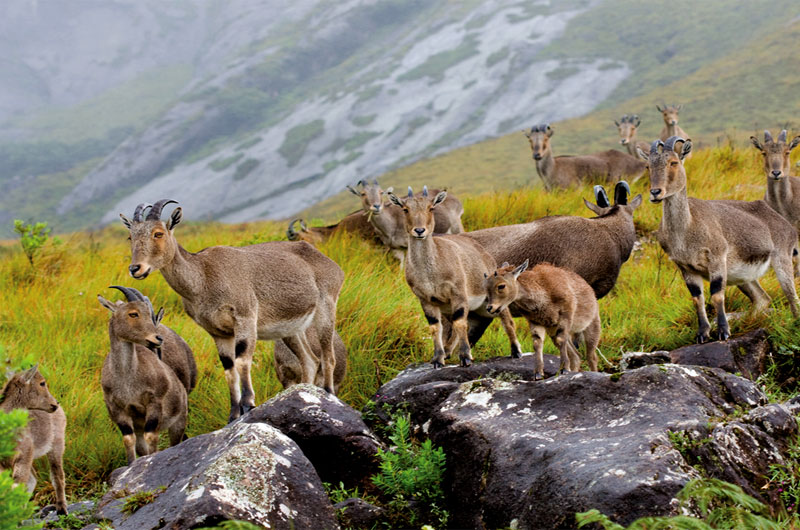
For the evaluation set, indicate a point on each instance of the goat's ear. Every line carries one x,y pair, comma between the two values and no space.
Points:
686,149
527,133
679,107
642,154
395,199
175,218
593,207
30,373
549,131
659,108
159,316
125,221
440,197
756,143
795,142
111,306
635,202
353,190
616,123
638,121
519,270
504,265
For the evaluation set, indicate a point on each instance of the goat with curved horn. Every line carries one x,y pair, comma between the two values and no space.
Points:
137,213
155,211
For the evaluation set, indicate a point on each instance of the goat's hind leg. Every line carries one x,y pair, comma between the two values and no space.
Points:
757,295
538,333
227,356
461,331
784,270
56,459
591,338
245,346
694,282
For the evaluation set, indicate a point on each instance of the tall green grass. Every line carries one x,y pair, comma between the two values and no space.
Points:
50,312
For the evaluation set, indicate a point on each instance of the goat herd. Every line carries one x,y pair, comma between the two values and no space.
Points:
287,291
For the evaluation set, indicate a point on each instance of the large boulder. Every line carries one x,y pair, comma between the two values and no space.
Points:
249,472
532,454
331,434
746,354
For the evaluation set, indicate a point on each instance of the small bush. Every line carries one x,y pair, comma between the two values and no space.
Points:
32,237
140,499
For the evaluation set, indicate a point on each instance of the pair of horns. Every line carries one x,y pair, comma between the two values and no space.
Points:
424,191
542,127
155,210
781,136
621,192
664,107
669,145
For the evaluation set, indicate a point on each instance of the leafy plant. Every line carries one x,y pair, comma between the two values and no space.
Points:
720,505
32,237
412,474
784,479
15,505
141,498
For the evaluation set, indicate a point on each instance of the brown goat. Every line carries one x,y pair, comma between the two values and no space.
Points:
289,370
142,393
670,115
552,300
239,295
725,242
783,190
388,220
43,435
627,126
565,171
356,223
595,249
446,273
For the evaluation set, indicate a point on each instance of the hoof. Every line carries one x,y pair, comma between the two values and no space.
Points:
61,511
436,364
465,362
564,371
538,377
515,355
724,334
702,337
328,389
245,408
233,417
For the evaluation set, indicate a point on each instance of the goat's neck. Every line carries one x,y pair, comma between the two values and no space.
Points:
546,167
421,253
184,274
677,216
631,145
671,129
532,293
779,191
384,222
123,356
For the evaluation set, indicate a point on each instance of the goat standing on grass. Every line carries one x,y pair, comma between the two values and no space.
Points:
43,435
268,291
388,221
355,223
552,300
446,273
725,242
594,248
565,171
142,393
290,371
783,190
627,126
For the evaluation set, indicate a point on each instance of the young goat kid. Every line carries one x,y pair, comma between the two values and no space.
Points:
446,273
43,435
553,301
725,242
783,191
142,393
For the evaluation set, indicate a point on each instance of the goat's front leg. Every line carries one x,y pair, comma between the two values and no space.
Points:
434,317
227,356
461,330
718,280
561,338
694,282
152,425
246,336
511,332
538,333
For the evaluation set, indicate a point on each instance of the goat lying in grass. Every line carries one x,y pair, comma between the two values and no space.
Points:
43,435
552,300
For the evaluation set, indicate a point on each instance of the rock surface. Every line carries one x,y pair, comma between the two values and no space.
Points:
330,433
357,513
538,452
746,354
249,472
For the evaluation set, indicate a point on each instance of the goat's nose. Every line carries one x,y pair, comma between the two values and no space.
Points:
134,268
624,141
490,308
376,207
776,173
419,231
537,156
673,122
159,339
655,192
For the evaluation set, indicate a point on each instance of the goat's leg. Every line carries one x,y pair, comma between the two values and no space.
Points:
458,303
56,459
177,429
141,445
694,282
447,336
782,264
477,327
538,333
326,329
244,350
562,341
511,332
227,356
152,425
22,472
757,295
591,338
125,426
718,281
309,363
434,317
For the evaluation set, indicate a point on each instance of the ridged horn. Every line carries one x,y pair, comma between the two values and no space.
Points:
782,136
131,294
410,192
767,136
155,211
600,196
291,233
425,191
671,141
621,192
137,213
654,147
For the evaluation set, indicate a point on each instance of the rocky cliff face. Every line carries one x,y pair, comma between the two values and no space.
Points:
286,107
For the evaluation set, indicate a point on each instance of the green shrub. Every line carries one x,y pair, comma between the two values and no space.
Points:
15,505
140,499
32,237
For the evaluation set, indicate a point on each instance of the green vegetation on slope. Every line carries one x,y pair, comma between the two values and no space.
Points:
50,312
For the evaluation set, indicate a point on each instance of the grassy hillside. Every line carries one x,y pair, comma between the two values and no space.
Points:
49,312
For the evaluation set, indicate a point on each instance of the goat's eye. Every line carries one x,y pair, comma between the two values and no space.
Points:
501,287
129,238
673,163
405,210
133,315
158,235
42,384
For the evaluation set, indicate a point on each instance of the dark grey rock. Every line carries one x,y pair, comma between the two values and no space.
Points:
331,434
746,354
358,513
793,405
535,453
249,472
637,359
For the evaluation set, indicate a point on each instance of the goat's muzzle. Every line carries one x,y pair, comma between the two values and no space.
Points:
419,233
673,122
53,408
537,156
376,208
624,141
776,175
654,195
136,268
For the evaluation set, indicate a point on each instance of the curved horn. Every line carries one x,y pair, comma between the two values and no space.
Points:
303,226
131,294
425,191
410,192
654,146
782,136
767,136
155,211
621,192
291,233
671,141
137,213
375,181
601,197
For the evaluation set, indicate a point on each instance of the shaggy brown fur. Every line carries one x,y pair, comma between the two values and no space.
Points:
355,223
43,435
552,300
565,171
725,242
